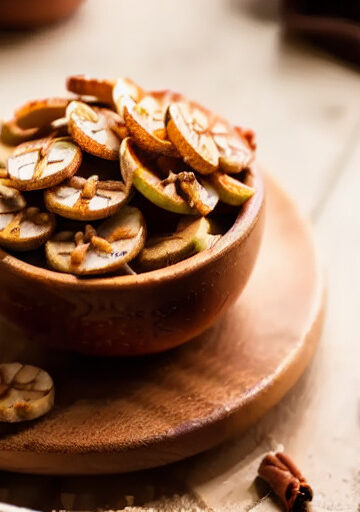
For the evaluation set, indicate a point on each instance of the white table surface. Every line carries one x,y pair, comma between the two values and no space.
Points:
305,108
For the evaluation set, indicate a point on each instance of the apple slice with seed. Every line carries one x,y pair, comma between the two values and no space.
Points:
11,200
85,199
148,181
231,190
100,88
192,236
40,113
43,163
117,241
92,129
25,230
205,141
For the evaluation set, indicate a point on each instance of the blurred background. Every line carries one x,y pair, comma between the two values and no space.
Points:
302,100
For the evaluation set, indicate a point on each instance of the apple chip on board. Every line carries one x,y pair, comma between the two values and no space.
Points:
26,392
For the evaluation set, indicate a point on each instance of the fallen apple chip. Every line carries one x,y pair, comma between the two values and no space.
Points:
85,199
26,392
117,241
148,182
26,229
145,121
43,163
192,236
40,113
205,141
92,129
100,88
11,200
231,190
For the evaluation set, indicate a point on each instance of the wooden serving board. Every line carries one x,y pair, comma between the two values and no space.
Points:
129,414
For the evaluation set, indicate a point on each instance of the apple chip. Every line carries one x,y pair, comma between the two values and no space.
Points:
100,88
235,153
199,193
123,90
145,120
5,152
205,141
12,134
11,200
92,129
147,180
85,199
40,113
231,190
26,392
43,163
192,236
25,230
118,240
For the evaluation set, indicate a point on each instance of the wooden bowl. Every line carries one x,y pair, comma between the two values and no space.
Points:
19,14
132,315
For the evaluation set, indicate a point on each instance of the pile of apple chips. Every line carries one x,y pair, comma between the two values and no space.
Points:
86,175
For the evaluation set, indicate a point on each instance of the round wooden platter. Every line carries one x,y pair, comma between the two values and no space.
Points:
129,414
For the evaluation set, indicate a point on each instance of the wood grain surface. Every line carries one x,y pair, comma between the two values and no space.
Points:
130,414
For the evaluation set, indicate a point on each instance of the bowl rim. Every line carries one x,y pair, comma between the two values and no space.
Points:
239,231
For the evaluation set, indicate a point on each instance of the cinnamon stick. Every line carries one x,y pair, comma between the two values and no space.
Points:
287,482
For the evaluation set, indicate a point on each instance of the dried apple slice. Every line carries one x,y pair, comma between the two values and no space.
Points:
193,236
124,89
231,190
43,163
117,241
200,194
85,199
40,113
100,88
26,392
92,129
205,141
5,152
11,200
235,153
145,120
12,134
25,230
148,182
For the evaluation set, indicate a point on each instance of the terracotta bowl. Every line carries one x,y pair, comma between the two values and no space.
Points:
26,14
132,315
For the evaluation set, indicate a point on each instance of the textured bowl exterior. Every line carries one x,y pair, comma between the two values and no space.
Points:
133,315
